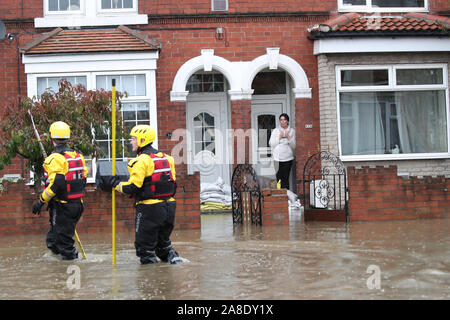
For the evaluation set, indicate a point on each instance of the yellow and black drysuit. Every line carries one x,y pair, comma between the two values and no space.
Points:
152,184
65,175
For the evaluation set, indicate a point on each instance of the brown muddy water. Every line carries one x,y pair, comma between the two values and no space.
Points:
314,260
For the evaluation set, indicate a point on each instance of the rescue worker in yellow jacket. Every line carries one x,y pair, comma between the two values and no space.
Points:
152,184
65,175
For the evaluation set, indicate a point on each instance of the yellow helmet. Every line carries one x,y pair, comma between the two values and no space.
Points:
59,130
144,134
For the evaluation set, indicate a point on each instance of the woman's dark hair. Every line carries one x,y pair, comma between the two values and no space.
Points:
284,115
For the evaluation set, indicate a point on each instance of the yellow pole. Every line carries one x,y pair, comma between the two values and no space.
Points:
113,155
80,245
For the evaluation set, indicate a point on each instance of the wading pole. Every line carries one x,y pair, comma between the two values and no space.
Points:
38,137
113,98
80,245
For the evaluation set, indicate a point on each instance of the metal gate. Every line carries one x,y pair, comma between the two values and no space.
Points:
325,190
246,195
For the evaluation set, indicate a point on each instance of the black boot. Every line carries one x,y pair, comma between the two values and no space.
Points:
150,257
173,257
168,254
53,250
70,255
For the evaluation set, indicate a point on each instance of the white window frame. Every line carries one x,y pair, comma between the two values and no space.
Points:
392,86
117,11
47,12
91,83
90,14
59,76
130,99
216,10
97,64
369,8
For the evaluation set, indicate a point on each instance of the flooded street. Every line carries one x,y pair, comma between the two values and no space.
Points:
314,260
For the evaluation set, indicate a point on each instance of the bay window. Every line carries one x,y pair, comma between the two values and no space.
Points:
393,112
383,5
135,109
135,106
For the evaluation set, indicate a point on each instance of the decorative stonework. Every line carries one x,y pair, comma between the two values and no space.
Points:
240,74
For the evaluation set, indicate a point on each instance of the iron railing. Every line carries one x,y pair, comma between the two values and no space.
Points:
325,183
246,195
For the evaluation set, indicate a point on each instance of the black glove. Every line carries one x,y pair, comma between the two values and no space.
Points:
109,182
114,181
37,207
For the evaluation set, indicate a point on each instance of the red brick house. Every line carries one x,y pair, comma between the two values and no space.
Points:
365,79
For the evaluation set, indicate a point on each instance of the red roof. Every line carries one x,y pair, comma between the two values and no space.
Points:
91,40
355,23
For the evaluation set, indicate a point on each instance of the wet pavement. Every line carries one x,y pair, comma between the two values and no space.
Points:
314,260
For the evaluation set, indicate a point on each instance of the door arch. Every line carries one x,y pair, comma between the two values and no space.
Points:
207,123
240,74
270,100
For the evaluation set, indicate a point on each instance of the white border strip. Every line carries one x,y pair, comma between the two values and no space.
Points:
381,44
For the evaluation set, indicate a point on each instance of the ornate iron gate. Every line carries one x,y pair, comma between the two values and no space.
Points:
325,190
246,195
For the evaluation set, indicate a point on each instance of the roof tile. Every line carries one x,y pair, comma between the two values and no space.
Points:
90,40
411,22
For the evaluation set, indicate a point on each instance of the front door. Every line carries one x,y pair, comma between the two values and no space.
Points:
207,123
265,114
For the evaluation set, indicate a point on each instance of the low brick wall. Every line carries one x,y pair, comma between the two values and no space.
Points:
16,200
374,194
275,207
380,194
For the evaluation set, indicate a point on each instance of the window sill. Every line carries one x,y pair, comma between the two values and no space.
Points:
410,156
383,10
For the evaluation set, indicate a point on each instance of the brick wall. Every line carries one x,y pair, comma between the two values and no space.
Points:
204,6
182,38
307,139
16,201
241,120
378,193
439,6
33,8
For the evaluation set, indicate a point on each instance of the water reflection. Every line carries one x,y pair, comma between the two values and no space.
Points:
314,260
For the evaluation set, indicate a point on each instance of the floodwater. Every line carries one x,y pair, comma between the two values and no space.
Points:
314,260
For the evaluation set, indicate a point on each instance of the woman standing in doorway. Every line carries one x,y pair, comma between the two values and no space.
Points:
282,142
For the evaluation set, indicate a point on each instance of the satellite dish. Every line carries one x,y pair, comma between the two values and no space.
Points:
2,31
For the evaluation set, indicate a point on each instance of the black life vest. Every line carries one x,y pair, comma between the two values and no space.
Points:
161,184
74,178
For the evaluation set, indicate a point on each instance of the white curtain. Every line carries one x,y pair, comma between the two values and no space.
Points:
423,121
421,118
367,132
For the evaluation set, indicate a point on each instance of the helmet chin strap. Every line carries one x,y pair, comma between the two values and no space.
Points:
147,148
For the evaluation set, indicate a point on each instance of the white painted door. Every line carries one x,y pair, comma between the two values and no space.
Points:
265,117
207,123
